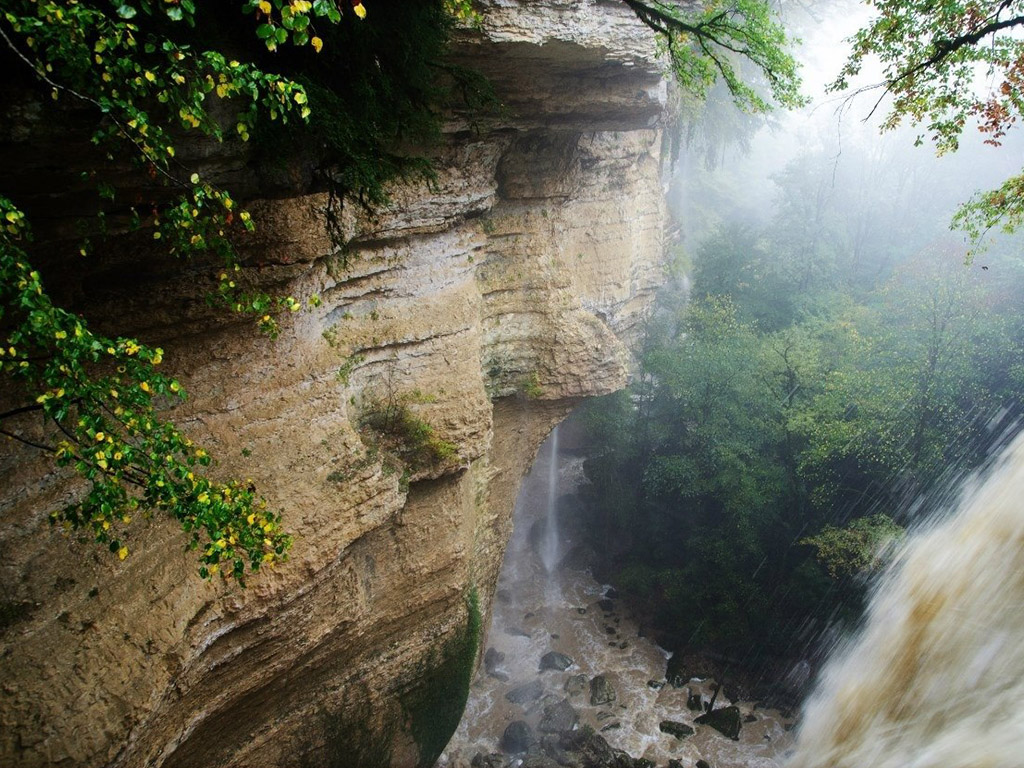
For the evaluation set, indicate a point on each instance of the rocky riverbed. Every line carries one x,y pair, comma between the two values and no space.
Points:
569,679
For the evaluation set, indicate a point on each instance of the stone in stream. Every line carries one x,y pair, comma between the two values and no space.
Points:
556,661
703,764
537,759
516,631
655,685
524,694
493,657
584,747
517,738
611,594
673,728
601,691
675,764
493,760
575,685
694,701
726,721
606,605
558,717
492,660
611,726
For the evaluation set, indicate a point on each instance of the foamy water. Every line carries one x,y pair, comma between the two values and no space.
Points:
540,610
936,678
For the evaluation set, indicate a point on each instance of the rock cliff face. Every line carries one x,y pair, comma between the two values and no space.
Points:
490,305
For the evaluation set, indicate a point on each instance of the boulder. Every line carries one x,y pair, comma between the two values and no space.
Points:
610,593
538,760
703,764
677,729
492,662
601,691
493,657
726,721
575,685
524,694
675,764
493,760
591,748
558,717
517,738
694,701
555,661
606,605
655,685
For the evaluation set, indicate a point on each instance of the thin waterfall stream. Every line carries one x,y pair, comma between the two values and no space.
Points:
563,653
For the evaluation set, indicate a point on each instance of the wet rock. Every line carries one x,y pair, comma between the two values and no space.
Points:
581,611
655,685
524,694
516,631
611,726
601,691
556,661
643,762
492,663
493,760
677,729
558,717
517,738
703,764
538,760
575,685
554,636
590,748
492,658
611,594
623,645
749,719
604,715
606,605
504,596
675,764
694,701
610,630
725,720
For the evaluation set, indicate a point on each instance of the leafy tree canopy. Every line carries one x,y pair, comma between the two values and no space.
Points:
947,65
716,40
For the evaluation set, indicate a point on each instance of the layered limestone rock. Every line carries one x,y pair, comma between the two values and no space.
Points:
489,305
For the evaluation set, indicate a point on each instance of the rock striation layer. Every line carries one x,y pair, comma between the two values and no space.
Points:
490,304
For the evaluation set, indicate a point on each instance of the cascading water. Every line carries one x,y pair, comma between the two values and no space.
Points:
936,678
549,541
546,602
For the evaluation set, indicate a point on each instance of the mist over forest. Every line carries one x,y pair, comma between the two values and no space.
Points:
827,360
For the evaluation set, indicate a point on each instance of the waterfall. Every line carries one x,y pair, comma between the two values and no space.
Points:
936,677
549,543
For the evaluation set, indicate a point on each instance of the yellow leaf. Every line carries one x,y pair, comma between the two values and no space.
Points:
317,44
360,10
122,553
